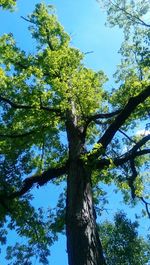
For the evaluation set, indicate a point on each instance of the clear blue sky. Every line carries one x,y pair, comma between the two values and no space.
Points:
84,20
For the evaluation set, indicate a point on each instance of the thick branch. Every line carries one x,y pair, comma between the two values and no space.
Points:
102,116
140,143
40,180
131,154
98,116
122,117
15,105
100,164
132,178
131,181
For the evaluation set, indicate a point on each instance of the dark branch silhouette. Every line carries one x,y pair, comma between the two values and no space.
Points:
40,180
131,154
100,164
28,107
95,118
120,119
132,178
147,204
103,115
127,136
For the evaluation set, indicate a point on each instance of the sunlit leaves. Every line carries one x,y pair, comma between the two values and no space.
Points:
133,18
51,78
46,29
7,4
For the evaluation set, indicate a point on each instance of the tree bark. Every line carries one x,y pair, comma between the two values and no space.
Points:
83,243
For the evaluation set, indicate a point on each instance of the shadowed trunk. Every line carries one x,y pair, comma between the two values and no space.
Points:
83,243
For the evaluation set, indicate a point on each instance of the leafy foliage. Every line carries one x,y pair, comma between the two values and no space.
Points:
7,4
47,96
121,242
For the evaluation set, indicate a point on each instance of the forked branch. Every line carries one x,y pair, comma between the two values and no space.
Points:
126,157
120,120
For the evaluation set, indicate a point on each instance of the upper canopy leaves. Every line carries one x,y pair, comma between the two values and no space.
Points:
7,4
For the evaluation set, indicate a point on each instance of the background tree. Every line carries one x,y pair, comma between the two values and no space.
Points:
51,95
132,73
121,242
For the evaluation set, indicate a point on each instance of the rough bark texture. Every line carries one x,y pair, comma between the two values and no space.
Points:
83,243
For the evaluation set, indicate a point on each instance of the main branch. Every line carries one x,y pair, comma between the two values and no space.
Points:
131,154
103,115
40,180
120,119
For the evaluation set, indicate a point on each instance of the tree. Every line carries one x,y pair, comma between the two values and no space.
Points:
121,242
50,95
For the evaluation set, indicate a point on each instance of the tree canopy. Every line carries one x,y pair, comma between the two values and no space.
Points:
121,242
59,123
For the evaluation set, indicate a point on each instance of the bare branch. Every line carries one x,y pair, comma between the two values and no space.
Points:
133,152
129,138
88,52
26,19
131,181
102,163
140,143
131,155
147,204
96,118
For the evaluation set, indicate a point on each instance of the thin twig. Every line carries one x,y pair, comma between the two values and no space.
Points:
129,138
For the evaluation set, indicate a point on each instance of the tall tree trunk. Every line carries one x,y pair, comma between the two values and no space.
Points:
83,243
